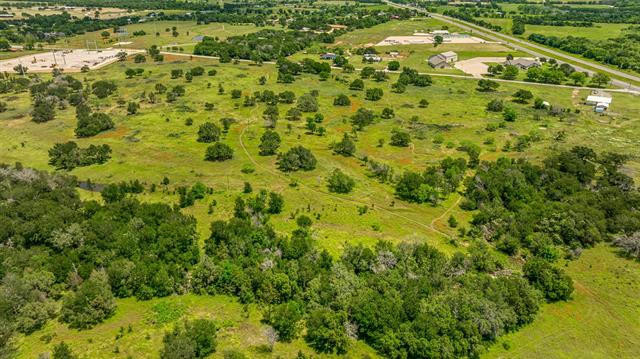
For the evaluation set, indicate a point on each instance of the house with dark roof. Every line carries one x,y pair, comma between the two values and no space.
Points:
523,63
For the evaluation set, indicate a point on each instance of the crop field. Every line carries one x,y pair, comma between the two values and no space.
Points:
601,321
187,30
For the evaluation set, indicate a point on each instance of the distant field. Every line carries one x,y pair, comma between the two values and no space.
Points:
601,321
597,32
105,13
375,34
5,55
187,30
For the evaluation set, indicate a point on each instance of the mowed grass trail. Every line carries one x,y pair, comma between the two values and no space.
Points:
601,321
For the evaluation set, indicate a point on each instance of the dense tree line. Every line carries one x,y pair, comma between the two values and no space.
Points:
369,294
575,199
623,51
55,245
264,45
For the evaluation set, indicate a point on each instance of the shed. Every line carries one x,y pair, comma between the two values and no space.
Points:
443,60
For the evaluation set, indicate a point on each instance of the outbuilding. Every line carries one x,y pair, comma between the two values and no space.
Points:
443,60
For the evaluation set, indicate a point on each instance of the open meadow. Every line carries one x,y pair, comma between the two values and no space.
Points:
157,144
599,31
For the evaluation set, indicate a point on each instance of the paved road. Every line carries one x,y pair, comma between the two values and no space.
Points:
513,42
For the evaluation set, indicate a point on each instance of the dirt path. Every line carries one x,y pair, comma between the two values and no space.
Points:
277,174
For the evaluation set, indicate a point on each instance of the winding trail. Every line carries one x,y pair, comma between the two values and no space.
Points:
429,227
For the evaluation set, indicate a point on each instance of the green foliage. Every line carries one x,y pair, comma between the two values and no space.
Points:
495,105
218,152
68,156
346,147
269,143
342,100
551,281
373,94
307,103
63,351
400,138
326,332
339,182
90,304
90,124
436,183
485,85
509,114
208,132
103,88
297,158
190,340
285,319
362,118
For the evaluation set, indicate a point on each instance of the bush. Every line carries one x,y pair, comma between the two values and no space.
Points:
342,100
509,114
208,132
90,304
269,143
340,182
346,147
495,105
193,339
102,89
551,281
400,138
218,152
285,319
373,94
297,158
326,332
307,103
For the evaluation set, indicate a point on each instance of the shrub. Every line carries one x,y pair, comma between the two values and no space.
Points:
208,132
342,100
340,183
218,152
297,158
400,138
90,304
495,105
269,143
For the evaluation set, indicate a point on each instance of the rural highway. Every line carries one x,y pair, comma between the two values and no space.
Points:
513,42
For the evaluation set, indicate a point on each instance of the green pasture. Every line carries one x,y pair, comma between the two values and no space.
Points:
599,31
240,330
156,143
601,321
